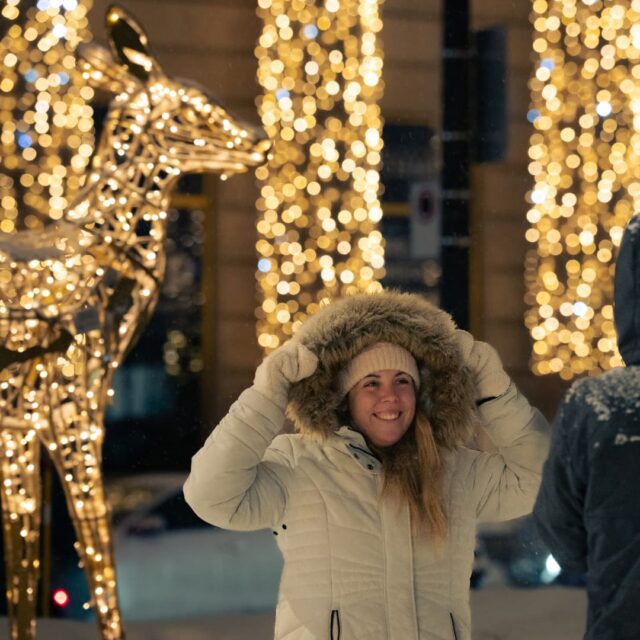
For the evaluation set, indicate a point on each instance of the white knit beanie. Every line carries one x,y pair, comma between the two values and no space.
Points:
378,357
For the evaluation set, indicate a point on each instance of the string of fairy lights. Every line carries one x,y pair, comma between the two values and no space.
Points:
320,66
583,156
46,121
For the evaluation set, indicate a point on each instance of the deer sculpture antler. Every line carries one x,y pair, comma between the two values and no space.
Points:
74,299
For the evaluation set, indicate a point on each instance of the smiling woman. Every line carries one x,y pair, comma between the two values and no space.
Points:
382,406
374,504
380,386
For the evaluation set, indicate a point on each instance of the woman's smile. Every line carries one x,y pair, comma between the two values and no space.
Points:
388,415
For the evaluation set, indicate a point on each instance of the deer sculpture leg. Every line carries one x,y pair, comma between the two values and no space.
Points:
20,457
73,440
91,522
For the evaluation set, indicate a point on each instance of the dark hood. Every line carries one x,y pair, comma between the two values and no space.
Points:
627,293
343,328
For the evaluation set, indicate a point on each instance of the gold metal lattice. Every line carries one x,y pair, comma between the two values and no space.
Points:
75,296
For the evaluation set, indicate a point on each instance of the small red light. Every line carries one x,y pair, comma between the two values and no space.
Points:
61,597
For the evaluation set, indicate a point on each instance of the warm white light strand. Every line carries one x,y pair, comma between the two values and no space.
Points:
584,158
46,120
320,66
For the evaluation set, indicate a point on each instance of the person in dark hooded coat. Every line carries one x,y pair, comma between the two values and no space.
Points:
588,508
374,503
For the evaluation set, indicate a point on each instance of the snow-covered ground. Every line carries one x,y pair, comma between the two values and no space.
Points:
499,613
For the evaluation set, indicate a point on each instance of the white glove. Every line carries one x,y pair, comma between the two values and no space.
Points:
484,363
289,363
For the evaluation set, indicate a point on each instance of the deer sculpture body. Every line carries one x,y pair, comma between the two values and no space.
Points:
73,300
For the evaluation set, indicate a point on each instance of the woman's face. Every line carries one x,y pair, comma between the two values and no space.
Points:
382,406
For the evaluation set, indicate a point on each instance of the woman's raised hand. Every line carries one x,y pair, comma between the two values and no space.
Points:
289,363
485,364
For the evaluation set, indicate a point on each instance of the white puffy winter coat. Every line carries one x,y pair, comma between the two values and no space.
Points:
352,568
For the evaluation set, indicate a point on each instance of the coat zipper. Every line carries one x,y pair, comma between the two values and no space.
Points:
453,626
335,625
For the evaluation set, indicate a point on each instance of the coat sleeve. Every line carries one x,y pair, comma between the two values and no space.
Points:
558,512
504,483
239,477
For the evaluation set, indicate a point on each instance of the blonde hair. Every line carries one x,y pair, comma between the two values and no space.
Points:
413,469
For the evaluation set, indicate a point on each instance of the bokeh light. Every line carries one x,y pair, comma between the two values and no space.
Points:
584,159
320,66
46,121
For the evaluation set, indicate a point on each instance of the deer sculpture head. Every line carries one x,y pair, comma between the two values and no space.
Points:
190,130
74,298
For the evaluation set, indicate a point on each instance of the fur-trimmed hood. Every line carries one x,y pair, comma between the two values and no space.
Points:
339,331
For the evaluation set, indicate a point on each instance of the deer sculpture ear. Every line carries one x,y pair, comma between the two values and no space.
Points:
129,44
101,71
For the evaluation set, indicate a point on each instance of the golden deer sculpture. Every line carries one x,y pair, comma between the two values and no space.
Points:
74,298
